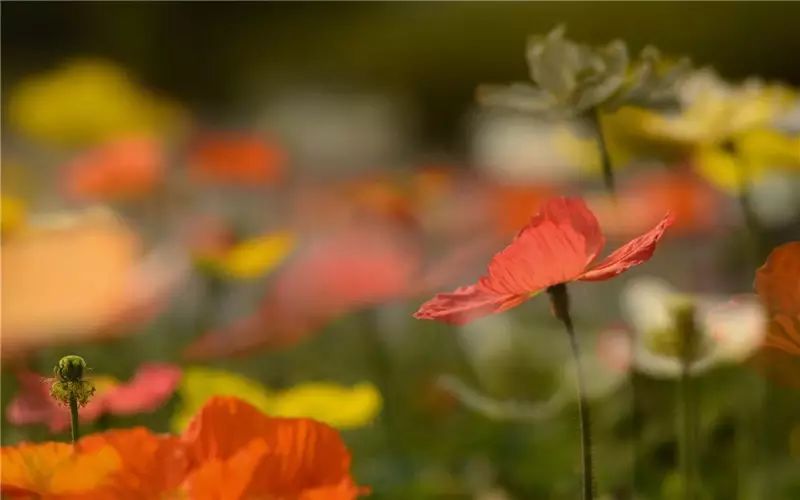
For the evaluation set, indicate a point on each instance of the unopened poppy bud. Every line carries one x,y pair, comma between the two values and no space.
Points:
69,384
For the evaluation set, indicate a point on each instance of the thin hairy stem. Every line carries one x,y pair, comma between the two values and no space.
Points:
73,413
560,302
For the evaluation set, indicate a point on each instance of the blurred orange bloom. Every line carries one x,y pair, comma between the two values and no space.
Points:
513,204
151,386
696,206
122,169
230,450
337,274
778,285
73,276
237,159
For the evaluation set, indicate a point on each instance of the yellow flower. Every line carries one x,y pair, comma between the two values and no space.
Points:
342,407
339,406
253,257
12,213
715,111
747,157
85,102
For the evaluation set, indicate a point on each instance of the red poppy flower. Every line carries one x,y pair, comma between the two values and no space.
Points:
557,246
778,285
152,385
237,158
120,170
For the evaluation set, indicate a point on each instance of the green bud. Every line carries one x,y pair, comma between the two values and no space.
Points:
69,384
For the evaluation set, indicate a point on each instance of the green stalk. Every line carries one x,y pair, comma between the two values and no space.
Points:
686,429
73,412
605,158
560,302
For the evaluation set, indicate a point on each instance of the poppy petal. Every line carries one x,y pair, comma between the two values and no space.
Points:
778,285
467,303
54,469
302,454
633,253
555,247
152,386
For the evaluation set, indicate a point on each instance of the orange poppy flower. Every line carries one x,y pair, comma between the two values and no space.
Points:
123,169
237,159
229,451
238,450
122,464
778,285
75,276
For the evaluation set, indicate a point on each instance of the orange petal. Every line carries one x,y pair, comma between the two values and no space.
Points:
778,284
152,466
300,454
50,469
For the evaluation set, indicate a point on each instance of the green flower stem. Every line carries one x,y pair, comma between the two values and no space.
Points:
560,302
73,413
605,158
686,454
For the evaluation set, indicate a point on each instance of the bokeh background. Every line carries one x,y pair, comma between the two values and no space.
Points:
283,184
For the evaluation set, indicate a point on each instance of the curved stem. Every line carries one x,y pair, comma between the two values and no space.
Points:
605,158
560,302
73,412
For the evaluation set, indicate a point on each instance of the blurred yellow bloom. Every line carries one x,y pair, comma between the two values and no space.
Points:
746,157
85,102
336,405
12,213
253,257
342,407
714,111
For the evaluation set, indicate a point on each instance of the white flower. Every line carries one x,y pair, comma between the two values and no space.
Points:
729,330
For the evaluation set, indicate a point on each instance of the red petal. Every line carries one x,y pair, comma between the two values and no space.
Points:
555,247
466,304
633,253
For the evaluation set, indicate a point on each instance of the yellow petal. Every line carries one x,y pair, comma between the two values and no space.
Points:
12,213
336,405
257,256
770,149
85,102
198,385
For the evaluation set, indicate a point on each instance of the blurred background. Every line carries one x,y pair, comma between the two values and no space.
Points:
253,198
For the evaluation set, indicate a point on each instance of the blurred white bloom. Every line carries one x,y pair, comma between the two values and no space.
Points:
774,198
513,148
328,131
729,330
